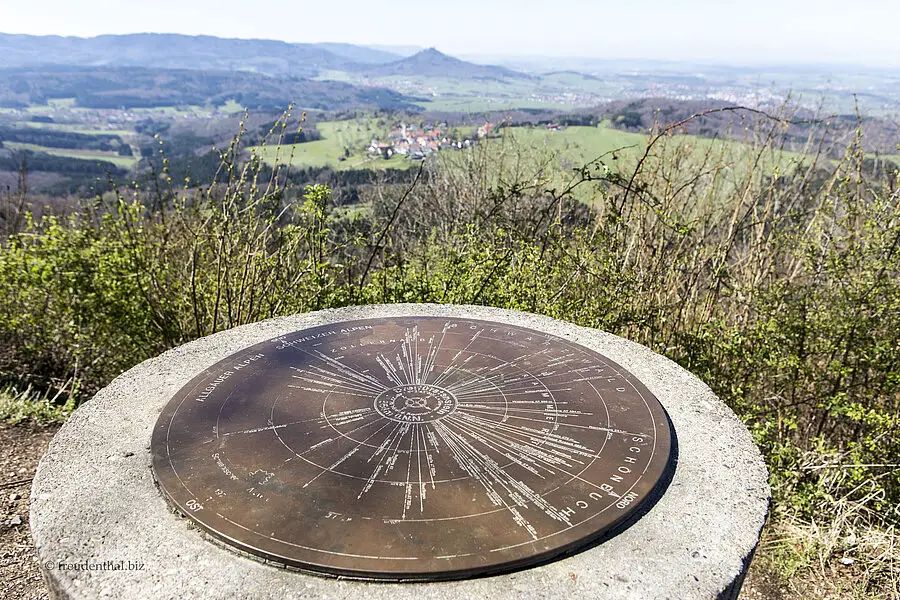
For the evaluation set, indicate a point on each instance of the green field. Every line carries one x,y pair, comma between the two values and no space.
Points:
125,162
570,147
231,107
52,105
581,145
85,128
337,137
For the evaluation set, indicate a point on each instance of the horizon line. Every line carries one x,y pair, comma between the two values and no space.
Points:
380,46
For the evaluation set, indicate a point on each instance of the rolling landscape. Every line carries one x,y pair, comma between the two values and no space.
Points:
742,219
95,108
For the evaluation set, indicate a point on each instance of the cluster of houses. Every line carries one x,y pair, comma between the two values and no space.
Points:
416,142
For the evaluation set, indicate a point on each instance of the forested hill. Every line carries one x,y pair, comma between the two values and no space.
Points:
172,51
138,87
431,63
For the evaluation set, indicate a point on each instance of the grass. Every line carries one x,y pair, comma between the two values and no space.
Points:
175,111
337,136
17,405
583,144
579,144
126,162
85,128
231,108
572,146
835,556
52,105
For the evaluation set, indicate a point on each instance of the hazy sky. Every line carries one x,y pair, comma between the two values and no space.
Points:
828,31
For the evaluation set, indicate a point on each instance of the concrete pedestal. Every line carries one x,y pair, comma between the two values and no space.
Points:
102,528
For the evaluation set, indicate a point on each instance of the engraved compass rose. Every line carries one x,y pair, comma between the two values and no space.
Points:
415,448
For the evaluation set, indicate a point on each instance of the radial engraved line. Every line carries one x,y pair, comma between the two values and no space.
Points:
270,427
429,459
419,462
507,387
535,498
476,466
452,364
370,423
578,477
341,371
407,494
544,411
591,427
335,391
504,479
333,378
404,359
555,441
462,387
534,390
521,461
389,369
552,456
329,386
385,460
341,368
418,356
433,351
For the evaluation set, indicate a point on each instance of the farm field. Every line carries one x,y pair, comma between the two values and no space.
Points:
53,104
338,137
125,162
575,143
577,146
69,111
85,128
568,148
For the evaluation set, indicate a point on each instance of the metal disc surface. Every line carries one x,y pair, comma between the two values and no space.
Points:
417,448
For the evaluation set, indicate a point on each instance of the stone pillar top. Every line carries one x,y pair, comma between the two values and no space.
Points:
109,497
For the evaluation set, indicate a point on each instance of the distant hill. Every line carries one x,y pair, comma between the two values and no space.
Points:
139,87
360,54
431,63
400,50
172,51
208,53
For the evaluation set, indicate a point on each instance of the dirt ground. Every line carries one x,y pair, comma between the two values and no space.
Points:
21,448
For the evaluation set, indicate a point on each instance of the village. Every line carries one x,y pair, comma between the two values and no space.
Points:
416,142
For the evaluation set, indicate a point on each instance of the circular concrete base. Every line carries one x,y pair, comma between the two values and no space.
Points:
102,528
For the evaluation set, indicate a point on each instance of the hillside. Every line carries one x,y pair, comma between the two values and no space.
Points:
171,51
139,87
431,63
360,54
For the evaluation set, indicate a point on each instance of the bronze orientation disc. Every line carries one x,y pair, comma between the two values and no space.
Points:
412,448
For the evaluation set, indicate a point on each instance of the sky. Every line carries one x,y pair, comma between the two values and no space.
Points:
746,32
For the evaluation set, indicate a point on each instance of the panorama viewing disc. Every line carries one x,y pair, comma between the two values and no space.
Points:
412,448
